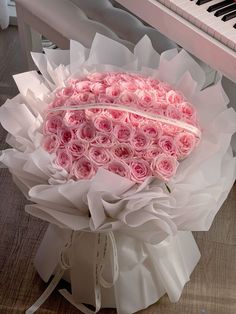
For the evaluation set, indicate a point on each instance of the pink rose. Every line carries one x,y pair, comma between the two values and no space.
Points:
122,132
145,99
164,167
151,129
50,143
152,82
136,119
58,102
63,159
103,124
72,101
103,140
96,77
170,129
127,98
74,118
52,123
83,169
91,113
116,115
130,86
86,97
173,113
65,135
152,152
120,168
65,91
165,87
167,144
122,151
113,91
82,86
99,155
86,132
76,148
98,88
187,110
111,78
103,98
174,97
139,170
140,141
185,143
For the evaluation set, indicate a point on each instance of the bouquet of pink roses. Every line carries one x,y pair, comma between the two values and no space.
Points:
124,154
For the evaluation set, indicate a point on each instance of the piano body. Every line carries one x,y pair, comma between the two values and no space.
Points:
193,27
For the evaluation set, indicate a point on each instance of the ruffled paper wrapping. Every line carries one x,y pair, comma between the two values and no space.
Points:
146,212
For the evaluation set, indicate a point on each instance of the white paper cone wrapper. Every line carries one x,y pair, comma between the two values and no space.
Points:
146,272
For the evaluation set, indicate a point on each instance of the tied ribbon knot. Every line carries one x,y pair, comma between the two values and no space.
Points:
102,248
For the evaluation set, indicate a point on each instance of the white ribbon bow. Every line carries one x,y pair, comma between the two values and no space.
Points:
101,250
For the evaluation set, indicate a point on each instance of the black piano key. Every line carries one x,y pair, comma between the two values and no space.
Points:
219,5
225,10
199,2
229,16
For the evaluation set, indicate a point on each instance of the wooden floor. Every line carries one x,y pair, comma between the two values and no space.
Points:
212,289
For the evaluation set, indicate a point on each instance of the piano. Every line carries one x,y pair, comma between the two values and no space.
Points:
205,28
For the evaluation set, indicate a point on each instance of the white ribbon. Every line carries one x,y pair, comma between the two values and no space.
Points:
102,248
149,115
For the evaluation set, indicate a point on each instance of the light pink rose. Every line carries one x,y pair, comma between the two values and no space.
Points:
116,115
130,86
122,151
86,97
113,91
165,87
74,118
52,123
120,168
185,143
86,132
50,143
135,119
82,86
139,141
65,91
151,129
103,140
65,135
103,98
174,97
139,170
76,148
122,132
103,124
187,110
58,102
164,167
173,113
63,159
92,113
99,155
127,98
152,152
83,169
152,82
72,101
167,144
98,88
145,98
96,77
111,78
170,130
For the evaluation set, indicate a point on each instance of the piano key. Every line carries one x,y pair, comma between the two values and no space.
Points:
219,5
229,16
225,10
200,2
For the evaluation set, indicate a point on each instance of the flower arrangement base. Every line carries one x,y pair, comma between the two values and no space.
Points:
146,271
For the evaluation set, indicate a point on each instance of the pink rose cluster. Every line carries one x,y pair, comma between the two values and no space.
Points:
128,144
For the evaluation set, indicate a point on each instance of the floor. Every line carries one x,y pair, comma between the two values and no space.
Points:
212,289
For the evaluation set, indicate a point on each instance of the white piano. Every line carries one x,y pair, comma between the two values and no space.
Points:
205,28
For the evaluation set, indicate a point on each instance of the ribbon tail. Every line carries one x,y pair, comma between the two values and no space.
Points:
46,293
